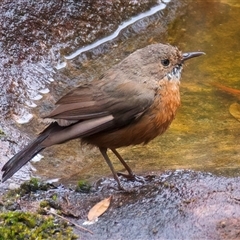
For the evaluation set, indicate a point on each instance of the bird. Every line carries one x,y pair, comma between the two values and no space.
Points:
132,103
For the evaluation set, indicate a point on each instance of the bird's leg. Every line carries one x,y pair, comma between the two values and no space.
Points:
130,172
107,159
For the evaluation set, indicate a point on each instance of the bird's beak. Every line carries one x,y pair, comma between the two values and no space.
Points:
189,55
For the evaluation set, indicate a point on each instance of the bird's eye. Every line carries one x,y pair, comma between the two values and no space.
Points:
165,62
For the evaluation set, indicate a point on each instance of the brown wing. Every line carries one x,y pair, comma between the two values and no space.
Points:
79,104
106,104
124,101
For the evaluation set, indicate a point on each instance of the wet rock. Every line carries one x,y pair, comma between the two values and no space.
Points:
34,36
171,205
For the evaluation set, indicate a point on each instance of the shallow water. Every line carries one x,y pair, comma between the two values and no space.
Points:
204,136
207,135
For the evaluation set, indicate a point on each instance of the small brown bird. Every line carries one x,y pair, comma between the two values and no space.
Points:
132,103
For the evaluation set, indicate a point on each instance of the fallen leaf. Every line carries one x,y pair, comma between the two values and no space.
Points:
234,110
232,91
98,209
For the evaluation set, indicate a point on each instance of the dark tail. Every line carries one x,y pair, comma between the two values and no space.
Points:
25,155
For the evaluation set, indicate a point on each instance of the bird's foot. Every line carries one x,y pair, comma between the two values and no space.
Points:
132,177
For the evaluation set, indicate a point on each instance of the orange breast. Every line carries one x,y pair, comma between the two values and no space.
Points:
154,122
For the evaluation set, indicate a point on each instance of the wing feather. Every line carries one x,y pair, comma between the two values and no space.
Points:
124,100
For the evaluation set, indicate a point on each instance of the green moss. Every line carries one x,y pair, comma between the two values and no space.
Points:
33,185
83,186
54,197
2,134
47,204
44,204
19,225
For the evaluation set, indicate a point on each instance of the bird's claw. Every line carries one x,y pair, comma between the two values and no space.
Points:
132,177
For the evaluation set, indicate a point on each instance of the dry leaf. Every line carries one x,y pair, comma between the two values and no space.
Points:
98,209
232,91
234,110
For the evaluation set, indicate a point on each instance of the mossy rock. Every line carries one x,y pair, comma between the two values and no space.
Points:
21,226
